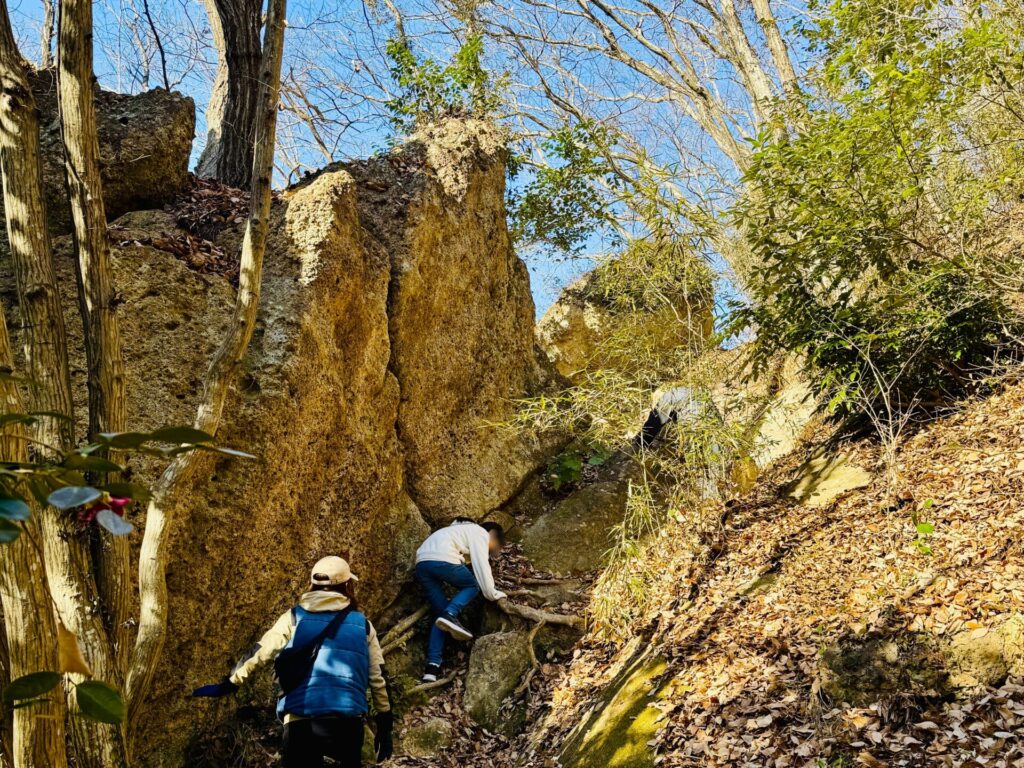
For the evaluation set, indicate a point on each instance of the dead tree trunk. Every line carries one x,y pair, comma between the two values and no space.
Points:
222,374
233,111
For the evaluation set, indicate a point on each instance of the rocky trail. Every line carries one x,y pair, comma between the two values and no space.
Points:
819,627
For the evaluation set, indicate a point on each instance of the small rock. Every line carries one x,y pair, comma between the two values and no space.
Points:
496,666
427,739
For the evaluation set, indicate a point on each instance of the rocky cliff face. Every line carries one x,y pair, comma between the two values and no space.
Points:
395,332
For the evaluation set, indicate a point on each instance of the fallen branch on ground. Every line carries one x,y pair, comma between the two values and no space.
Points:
402,631
534,664
534,614
436,684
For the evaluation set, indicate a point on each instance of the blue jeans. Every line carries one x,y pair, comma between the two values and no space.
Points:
433,575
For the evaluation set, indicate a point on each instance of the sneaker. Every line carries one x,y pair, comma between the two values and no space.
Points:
432,673
450,624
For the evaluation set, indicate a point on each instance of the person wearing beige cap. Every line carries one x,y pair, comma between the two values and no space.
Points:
333,657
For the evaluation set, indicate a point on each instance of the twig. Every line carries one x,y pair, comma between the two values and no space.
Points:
436,684
533,614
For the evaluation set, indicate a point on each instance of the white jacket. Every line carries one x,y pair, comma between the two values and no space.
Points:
453,544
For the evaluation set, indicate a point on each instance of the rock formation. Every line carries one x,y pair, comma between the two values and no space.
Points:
586,330
395,333
145,143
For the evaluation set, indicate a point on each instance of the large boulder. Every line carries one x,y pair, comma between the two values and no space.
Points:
145,144
618,732
600,320
572,537
460,317
496,665
332,398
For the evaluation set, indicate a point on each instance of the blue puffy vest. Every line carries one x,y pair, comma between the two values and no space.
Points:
341,672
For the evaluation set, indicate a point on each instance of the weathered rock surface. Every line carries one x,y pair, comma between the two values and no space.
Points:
985,656
427,739
496,665
577,332
573,536
145,144
618,733
460,318
825,478
367,268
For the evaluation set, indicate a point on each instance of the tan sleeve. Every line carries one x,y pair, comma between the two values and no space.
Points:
266,649
378,685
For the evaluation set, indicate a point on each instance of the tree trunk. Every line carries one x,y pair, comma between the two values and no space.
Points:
232,113
70,565
38,731
222,373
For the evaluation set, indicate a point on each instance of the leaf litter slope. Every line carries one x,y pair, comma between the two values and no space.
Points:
744,620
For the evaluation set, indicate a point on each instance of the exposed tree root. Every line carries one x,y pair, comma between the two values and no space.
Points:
536,615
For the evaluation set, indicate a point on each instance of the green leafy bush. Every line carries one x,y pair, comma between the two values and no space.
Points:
429,91
872,222
562,204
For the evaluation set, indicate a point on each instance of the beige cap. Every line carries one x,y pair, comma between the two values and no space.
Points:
331,570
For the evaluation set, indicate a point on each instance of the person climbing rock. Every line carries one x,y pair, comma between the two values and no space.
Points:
695,414
333,658
441,562
672,404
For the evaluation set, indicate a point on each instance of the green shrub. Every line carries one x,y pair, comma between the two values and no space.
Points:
872,223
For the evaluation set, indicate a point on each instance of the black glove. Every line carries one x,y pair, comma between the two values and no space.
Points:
383,744
224,688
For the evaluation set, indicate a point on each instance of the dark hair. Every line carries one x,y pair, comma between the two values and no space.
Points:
348,589
492,527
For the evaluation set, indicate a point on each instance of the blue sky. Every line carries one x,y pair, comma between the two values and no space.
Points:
336,52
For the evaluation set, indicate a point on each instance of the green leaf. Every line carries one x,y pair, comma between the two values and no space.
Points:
87,463
100,702
13,509
181,435
925,529
30,686
73,496
124,440
114,523
8,531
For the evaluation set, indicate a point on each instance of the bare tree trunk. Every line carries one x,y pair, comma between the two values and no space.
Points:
233,111
46,36
38,732
71,580
223,371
